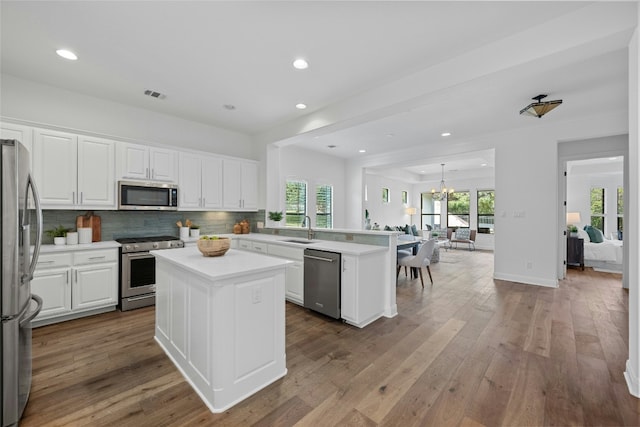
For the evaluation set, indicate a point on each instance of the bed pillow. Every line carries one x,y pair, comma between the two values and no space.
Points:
583,235
595,235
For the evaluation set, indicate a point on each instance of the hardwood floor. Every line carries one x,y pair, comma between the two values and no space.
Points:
466,351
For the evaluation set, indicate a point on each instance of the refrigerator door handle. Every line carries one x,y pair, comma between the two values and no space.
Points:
24,322
26,243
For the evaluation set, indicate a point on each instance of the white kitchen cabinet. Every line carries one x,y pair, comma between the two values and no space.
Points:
294,275
53,285
240,185
362,292
75,284
137,161
200,182
24,134
74,171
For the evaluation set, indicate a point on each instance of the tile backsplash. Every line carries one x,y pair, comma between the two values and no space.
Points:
116,224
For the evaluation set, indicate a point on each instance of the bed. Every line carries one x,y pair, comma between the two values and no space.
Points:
605,256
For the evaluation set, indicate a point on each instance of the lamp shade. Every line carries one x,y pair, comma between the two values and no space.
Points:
573,218
411,211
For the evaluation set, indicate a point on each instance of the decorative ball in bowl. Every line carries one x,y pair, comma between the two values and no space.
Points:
213,245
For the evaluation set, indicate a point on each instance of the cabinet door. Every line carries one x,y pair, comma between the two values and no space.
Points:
190,181
55,164
232,186
249,180
95,286
348,294
133,161
294,282
211,182
162,164
54,287
23,134
96,172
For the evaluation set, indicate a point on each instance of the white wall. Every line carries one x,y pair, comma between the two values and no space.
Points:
314,168
392,213
578,196
35,103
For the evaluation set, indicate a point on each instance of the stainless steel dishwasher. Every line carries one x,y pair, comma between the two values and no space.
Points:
322,282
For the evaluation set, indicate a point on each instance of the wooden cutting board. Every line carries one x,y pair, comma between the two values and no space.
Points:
91,221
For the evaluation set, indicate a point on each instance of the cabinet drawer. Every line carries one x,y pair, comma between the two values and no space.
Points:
94,257
286,252
54,260
259,247
244,244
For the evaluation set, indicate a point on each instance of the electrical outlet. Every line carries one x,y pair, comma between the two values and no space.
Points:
529,265
256,295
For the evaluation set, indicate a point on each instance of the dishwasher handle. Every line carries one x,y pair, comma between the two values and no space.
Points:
317,258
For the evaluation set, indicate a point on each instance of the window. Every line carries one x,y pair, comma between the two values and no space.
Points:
620,211
486,211
296,203
324,206
405,197
385,195
458,209
597,208
430,212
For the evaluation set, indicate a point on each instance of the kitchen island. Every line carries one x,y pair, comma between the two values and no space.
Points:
221,320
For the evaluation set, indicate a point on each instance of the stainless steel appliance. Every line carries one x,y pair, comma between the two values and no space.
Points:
138,269
18,265
147,196
322,282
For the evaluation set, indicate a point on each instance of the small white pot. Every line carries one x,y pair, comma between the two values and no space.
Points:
72,238
184,233
195,232
59,240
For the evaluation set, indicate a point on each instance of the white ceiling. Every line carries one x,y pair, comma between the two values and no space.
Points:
205,54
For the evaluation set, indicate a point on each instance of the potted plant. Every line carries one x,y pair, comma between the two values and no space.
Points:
194,230
59,235
573,231
275,216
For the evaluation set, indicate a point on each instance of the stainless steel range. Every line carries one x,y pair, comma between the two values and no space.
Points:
138,269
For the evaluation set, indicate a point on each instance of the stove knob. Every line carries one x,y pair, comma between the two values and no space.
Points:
127,247
136,246
155,245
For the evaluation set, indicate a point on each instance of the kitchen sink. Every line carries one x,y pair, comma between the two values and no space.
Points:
301,242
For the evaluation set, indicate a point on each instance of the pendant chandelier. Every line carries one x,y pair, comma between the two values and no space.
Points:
540,108
444,192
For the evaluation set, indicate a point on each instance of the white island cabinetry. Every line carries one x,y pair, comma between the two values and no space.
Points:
221,320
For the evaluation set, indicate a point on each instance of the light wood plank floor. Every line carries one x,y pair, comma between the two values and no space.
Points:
467,351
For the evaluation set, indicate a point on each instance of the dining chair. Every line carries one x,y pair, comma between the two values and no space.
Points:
421,260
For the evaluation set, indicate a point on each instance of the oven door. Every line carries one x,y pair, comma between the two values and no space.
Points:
138,274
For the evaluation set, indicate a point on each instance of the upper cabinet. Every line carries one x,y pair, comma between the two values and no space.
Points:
24,134
148,163
74,171
200,182
240,185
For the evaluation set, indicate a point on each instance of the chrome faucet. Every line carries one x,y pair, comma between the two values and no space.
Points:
307,220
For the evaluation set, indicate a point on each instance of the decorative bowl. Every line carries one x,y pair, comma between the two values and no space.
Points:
216,247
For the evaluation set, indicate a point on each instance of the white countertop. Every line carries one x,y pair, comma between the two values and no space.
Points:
232,264
109,244
323,245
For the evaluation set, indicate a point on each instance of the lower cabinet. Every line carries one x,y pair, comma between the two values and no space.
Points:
294,275
362,293
72,284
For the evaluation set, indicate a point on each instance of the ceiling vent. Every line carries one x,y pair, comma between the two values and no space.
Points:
154,94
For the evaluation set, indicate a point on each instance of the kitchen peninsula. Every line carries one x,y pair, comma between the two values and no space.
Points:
221,320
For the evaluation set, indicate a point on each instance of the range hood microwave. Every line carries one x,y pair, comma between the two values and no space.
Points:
147,196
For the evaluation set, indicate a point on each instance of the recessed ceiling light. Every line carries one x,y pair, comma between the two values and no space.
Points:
67,54
483,164
362,151
613,158
300,64
301,106
421,171
229,107
390,135
445,134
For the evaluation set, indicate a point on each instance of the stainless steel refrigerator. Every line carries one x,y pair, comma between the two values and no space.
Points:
20,207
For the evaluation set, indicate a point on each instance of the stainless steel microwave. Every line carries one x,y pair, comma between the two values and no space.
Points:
147,196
